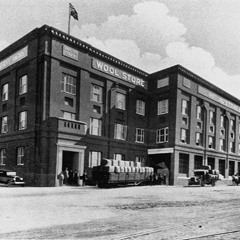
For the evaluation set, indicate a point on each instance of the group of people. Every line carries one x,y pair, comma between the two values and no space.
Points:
158,179
70,177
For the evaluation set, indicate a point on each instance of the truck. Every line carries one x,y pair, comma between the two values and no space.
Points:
204,176
118,172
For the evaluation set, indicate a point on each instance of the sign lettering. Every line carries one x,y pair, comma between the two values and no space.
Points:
70,52
110,70
14,58
205,92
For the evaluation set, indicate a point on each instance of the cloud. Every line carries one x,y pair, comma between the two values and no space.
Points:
151,39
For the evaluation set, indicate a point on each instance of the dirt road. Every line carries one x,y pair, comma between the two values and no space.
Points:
148,212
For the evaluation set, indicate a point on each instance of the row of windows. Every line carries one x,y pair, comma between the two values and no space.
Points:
22,122
22,88
21,152
95,158
120,131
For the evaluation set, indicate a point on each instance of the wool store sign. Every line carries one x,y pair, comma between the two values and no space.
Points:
14,58
115,72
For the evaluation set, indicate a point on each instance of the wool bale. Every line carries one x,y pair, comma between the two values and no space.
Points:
137,164
117,169
122,169
121,163
131,164
114,163
108,168
126,163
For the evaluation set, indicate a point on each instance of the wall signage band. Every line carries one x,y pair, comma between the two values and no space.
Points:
205,92
115,72
70,52
19,55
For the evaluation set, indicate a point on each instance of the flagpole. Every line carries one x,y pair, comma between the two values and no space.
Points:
69,18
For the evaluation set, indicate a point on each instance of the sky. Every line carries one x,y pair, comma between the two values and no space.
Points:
201,35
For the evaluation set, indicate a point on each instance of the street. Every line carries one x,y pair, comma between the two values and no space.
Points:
143,212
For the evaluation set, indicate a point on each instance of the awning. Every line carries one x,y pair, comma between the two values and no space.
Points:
160,151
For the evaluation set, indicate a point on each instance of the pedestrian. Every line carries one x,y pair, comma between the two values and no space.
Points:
66,176
75,177
70,177
60,177
84,178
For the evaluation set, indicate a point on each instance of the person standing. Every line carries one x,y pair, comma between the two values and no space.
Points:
84,178
60,177
66,176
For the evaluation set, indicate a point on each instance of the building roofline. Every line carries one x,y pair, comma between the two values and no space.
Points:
180,69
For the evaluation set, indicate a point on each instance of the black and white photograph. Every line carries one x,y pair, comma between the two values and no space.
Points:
120,119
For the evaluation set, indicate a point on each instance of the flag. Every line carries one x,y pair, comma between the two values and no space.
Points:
73,11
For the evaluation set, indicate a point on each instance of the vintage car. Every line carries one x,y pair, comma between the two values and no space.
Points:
10,178
236,179
204,176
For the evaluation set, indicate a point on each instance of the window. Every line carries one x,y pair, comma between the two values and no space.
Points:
68,84
163,107
183,163
119,156
232,146
163,82
69,116
184,135
121,101
4,125
120,131
184,107
199,125
211,117
211,142
198,139
162,135
184,121
22,120
68,102
97,93
199,112
140,159
139,135
222,145
140,107
5,92
222,121
96,109
95,127
232,125
3,157
231,170
239,150
23,85
94,158
211,129
20,156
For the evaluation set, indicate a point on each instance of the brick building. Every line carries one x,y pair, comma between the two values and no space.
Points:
65,103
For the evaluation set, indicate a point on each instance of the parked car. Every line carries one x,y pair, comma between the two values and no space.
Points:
10,178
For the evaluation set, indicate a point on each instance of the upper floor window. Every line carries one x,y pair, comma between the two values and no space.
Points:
95,127
68,84
119,156
211,142
199,112
184,135
140,159
185,107
97,93
139,135
199,139
23,85
4,125
20,155
162,82
222,144
222,121
120,131
163,106
140,107
232,146
94,158
186,82
3,156
121,101
211,117
5,92
69,115
232,125
162,135
22,120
